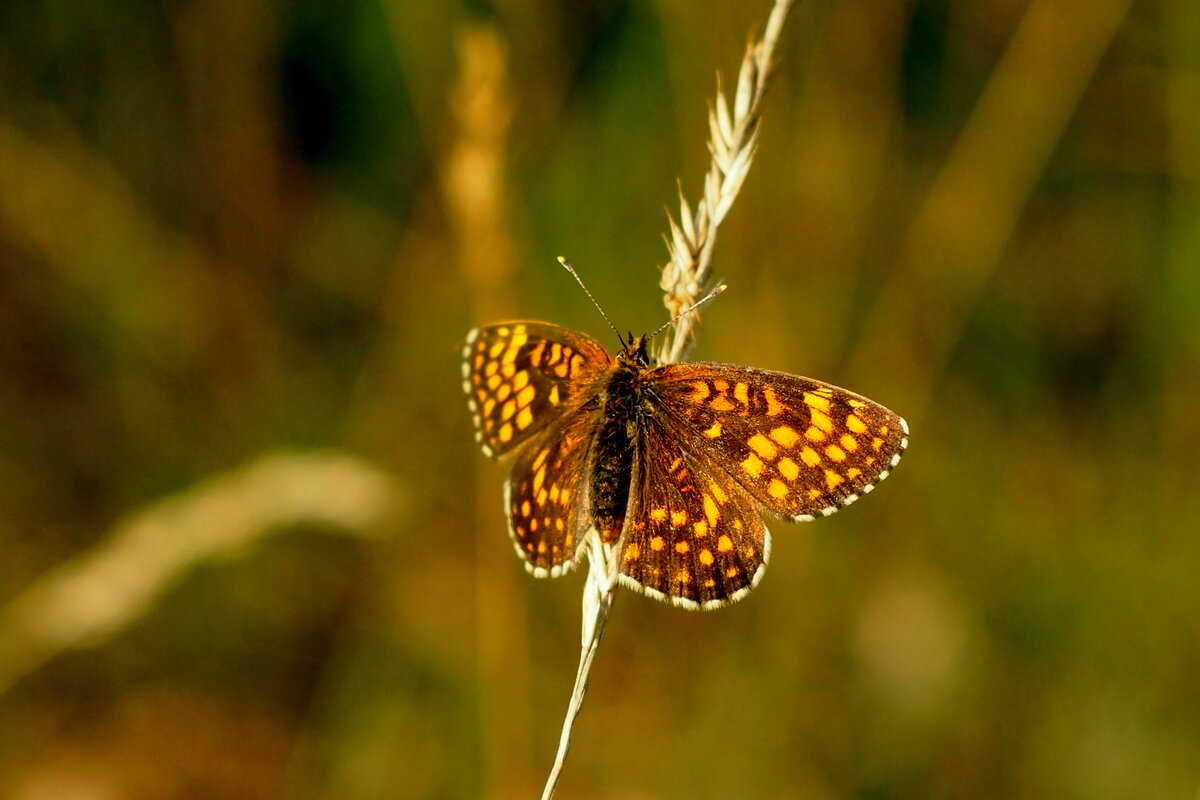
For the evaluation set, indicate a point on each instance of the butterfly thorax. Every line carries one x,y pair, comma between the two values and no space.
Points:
616,438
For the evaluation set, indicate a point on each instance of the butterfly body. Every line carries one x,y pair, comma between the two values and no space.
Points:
619,407
669,464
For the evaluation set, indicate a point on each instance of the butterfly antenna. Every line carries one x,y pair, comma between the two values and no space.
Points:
567,266
690,309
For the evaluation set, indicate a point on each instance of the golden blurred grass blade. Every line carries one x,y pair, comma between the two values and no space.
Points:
99,592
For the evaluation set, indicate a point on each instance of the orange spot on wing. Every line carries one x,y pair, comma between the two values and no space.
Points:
721,404
785,436
714,431
816,402
682,547
774,407
788,468
741,393
706,557
657,543
753,466
835,453
761,445
777,489
832,479
724,544
810,457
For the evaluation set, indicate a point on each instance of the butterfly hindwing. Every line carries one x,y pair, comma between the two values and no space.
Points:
547,494
692,535
800,447
520,376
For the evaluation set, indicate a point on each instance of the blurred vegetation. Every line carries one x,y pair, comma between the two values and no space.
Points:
240,244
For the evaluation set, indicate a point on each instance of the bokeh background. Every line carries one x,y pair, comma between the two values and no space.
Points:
248,548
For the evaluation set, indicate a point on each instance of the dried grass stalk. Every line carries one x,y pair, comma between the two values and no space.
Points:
732,140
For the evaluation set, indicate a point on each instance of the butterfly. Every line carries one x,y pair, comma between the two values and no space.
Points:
669,464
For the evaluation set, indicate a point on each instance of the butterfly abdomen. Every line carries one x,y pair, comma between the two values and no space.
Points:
613,447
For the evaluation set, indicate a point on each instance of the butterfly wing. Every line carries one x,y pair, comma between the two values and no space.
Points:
521,376
692,536
801,448
546,496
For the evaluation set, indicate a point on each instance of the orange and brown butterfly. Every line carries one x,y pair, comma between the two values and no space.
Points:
670,464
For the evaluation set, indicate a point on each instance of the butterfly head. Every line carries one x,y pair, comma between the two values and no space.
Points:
634,354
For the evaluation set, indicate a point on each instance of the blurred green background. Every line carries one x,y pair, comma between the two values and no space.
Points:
248,548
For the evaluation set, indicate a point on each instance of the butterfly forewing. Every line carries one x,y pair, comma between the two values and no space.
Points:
800,447
520,376
692,536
